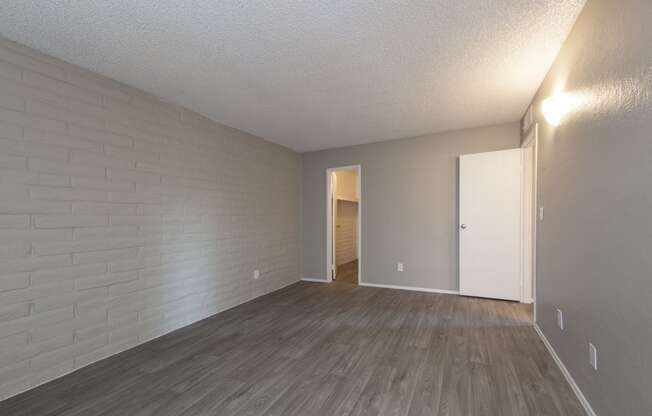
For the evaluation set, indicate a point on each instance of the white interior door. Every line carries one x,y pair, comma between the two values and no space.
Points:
490,224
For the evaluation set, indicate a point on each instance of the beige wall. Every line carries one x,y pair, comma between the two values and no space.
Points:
122,218
409,205
595,175
347,184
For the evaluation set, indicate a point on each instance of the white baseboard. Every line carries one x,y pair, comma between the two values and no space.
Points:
307,279
413,288
580,396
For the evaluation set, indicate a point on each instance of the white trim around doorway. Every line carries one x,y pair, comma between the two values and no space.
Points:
531,140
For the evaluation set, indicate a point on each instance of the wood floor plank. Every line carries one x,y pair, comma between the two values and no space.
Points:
326,349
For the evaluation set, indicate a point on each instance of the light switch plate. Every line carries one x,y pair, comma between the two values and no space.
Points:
560,319
593,356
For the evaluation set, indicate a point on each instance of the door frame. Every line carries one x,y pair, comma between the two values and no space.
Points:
330,225
531,140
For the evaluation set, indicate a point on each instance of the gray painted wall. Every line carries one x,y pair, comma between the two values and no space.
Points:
123,218
595,180
409,205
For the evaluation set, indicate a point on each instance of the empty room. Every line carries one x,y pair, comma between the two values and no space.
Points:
326,208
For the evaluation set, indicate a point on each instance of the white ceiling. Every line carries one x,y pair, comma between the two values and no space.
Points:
313,74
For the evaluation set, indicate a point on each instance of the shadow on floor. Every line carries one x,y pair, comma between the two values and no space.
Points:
347,273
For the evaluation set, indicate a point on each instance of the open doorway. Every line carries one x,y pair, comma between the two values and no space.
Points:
529,205
343,224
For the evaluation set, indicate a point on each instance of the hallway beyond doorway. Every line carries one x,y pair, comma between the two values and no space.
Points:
347,273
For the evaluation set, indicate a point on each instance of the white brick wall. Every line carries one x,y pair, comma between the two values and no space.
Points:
123,218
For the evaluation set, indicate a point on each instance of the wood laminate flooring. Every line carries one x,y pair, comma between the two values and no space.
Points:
326,349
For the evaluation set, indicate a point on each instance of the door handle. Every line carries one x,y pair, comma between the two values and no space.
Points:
463,226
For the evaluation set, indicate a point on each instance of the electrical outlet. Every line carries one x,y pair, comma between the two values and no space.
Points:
560,319
593,356
399,267
256,274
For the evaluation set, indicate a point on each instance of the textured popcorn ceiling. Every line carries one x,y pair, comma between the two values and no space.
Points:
313,74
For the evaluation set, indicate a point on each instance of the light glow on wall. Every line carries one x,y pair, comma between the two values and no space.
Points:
556,107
